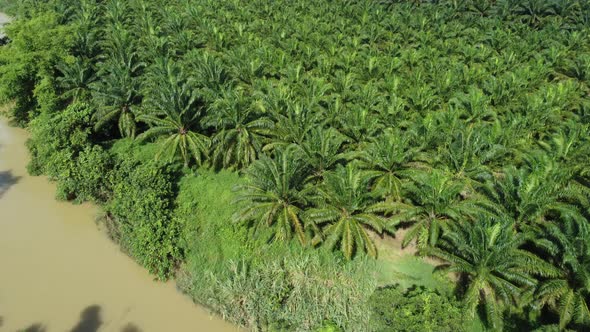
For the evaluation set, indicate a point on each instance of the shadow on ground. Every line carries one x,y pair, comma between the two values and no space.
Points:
7,180
90,321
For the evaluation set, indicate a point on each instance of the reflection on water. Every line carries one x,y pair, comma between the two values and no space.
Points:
58,272
90,321
131,328
35,328
7,180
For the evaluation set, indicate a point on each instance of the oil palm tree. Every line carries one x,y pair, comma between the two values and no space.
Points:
292,124
77,79
535,193
344,208
493,269
174,114
436,200
471,154
358,126
321,150
117,95
392,158
567,245
240,131
274,197
117,90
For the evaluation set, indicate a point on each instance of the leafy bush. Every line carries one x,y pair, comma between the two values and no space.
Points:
140,209
27,64
61,148
415,309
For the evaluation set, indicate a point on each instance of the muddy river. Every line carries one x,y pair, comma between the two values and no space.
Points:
58,272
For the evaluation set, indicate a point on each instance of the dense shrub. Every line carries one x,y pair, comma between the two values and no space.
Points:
27,64
415,309
61,148
141,208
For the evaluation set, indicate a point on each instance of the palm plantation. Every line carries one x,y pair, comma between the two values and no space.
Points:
270,154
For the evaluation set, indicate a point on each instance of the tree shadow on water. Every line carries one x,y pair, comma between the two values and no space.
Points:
90,320
7,180
131,328
35,328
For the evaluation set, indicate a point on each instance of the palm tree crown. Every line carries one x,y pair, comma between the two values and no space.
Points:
344,209
274,196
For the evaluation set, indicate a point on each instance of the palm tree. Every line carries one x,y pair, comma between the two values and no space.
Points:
86,16
240,131
392,158
175,114
321,150
358,126
493,269
470,153
210,73
274,197
77,79
292,124
570,146
117,97
117,92
567,245
435,201
535,193
344,207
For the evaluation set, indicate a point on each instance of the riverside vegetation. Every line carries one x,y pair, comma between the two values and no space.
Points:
257,151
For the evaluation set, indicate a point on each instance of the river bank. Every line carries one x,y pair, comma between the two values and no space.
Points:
60,273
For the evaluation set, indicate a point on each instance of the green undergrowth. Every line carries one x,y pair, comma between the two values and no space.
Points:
410,270
261,285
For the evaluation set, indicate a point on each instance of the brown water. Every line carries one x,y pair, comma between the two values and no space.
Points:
58,272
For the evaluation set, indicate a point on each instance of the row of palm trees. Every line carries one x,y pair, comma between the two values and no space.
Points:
463,121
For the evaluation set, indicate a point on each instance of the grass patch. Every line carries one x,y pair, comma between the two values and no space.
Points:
411,270
205,205
129,148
